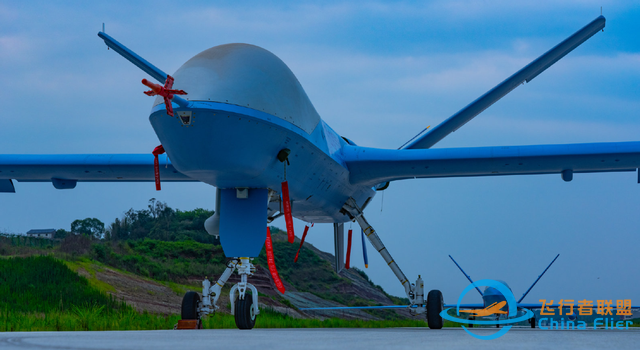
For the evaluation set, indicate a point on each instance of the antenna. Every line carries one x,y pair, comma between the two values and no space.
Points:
534,283
413,138
108,45
465,275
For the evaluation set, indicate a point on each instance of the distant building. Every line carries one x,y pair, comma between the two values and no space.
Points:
43,233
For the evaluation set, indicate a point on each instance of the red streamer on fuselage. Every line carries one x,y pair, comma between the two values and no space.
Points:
156,165
346,265
304,235
286,206
271,261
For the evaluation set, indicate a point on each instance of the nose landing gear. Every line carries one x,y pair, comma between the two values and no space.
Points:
244,313
244,305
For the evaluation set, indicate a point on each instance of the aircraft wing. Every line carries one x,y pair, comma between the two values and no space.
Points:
526,74
575,306
65,170
372,166
466,306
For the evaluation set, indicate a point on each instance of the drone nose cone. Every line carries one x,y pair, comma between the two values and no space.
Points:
247,76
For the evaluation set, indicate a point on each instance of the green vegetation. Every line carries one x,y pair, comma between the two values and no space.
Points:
84,319
160,222
43,284
11,245
40,288
160,260
91,227
95,319
315,275
89,266
27,304
272,319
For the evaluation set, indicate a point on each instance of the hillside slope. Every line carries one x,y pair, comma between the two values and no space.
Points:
153,275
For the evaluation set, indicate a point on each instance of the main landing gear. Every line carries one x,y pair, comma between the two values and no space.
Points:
415,292
243,296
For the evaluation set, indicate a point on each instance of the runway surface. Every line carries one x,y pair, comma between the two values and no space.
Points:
284,339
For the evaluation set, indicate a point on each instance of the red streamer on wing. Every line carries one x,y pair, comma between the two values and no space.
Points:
156,165
165,91
346,265
272,263
286,205
304,235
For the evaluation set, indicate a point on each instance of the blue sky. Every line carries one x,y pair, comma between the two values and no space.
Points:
377,72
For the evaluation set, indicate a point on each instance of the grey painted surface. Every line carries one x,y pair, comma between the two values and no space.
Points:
282,339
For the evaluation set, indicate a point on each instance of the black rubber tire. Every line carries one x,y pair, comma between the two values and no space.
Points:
243,312
190,306
435,305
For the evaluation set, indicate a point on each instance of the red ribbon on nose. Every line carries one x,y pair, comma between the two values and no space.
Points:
286,205
165,91
156,164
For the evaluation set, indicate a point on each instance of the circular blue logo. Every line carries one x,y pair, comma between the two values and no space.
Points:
511,304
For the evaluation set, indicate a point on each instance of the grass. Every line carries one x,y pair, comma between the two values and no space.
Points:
43,284
98,319
90,267
181,289
42,293
163,261
84,319
81,304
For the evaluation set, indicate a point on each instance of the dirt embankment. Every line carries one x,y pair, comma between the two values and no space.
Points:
165,298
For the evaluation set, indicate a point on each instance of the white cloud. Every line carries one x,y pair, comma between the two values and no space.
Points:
15,48
265,19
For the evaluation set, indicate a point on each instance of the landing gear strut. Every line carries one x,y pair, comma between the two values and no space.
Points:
532,322
415,292
244,305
